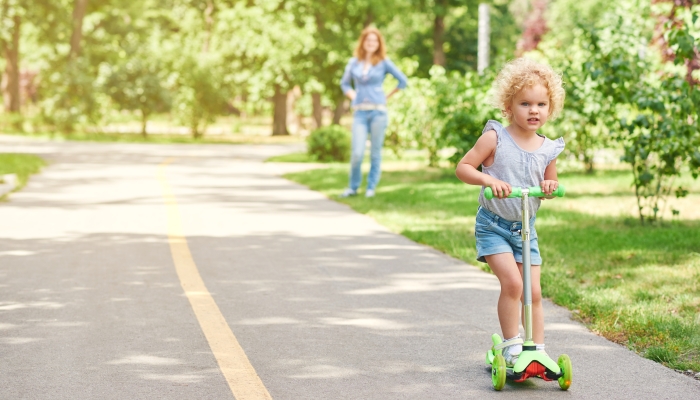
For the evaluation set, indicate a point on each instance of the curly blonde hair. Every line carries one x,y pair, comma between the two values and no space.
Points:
522,73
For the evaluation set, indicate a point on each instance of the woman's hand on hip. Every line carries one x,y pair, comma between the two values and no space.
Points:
351,94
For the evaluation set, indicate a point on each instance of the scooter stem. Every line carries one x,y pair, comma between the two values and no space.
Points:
527,281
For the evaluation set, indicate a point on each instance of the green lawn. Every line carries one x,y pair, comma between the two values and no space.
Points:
638,286
162,138
23,165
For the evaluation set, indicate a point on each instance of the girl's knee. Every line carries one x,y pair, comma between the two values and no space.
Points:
536,294
512,288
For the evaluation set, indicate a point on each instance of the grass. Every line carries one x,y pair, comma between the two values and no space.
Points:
162,138
23,165
292,157
637,286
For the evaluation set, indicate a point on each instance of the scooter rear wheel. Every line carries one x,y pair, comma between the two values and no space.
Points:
565,366
498,372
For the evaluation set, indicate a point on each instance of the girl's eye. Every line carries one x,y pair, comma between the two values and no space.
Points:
524,104
542,104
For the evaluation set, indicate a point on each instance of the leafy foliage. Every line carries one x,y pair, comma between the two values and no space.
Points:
446,111
461,35
139,86
330,143
618,90
201,95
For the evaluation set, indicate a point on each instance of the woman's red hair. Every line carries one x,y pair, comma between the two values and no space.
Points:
378,55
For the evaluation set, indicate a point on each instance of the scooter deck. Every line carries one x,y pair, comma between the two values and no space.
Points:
531,363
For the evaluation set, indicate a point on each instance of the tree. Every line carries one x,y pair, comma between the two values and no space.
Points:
646,106
440,10
270,52
460,38
535,26
76,38
201,92
674,35
138,85
12,20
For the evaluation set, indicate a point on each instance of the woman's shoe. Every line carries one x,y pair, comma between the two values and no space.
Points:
348,192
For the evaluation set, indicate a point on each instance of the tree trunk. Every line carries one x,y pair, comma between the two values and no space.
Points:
279,120
79,9
194,128
439,33
339,109
317,109
209,22
12,105
368,18
144,121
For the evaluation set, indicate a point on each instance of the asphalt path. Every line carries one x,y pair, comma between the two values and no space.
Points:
96,301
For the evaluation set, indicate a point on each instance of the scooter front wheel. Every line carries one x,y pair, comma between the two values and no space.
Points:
498,372
565,366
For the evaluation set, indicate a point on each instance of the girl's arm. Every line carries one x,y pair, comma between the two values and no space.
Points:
467,170
345,81
550,182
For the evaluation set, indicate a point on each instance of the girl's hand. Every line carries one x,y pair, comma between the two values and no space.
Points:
548,186
500,189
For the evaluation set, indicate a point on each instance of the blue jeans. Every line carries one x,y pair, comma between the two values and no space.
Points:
372,122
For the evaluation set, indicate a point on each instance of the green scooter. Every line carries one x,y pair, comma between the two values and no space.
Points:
531,363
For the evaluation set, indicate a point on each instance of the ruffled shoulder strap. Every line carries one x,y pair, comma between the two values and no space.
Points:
555,149
492,125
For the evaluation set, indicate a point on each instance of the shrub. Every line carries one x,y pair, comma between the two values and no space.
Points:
330,143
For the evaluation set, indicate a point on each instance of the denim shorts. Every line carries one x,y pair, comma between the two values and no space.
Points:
495,235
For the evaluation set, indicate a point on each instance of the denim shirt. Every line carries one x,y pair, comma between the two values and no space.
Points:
369,87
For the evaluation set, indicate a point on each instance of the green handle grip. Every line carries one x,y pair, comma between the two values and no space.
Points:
534,191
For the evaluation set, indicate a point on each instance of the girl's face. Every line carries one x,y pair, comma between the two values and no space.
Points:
530,108
370,44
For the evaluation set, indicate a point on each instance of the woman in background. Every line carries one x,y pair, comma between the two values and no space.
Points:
366,72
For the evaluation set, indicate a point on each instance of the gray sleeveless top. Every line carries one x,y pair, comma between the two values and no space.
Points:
519,168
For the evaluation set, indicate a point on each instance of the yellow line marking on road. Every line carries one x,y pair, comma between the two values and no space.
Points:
233,362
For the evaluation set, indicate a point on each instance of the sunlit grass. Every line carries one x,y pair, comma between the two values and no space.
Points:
23,165
82,136
638,286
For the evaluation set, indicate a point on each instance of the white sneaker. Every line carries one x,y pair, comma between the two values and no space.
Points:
348,192
369,193
510,349
511,359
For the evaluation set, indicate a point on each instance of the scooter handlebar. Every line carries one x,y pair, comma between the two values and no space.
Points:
534,191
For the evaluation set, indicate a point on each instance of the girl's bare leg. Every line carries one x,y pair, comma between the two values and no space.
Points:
508,273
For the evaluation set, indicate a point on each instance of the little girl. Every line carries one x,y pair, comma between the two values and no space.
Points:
528,95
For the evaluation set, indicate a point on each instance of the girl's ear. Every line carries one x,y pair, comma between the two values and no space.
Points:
507,112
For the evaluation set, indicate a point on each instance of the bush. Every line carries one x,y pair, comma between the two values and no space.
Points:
330,143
